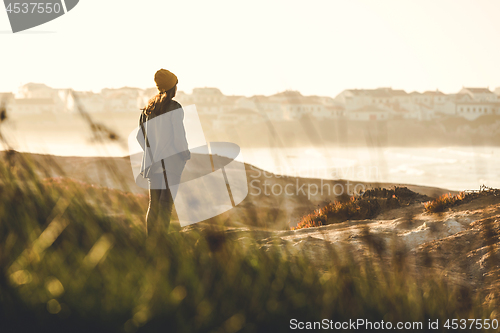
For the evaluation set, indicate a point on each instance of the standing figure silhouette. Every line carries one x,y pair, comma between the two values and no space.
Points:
163,138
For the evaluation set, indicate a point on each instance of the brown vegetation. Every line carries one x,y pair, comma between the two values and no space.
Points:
366,206
448,200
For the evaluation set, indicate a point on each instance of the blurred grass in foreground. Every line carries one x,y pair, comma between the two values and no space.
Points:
66,264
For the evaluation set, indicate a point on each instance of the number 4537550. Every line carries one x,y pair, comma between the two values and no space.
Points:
471,324
33,7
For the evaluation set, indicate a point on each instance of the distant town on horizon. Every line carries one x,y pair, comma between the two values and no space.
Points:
351,104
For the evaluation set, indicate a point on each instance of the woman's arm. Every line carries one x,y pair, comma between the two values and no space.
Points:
141,136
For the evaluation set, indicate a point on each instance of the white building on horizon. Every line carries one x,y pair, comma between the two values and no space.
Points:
355,104
472,103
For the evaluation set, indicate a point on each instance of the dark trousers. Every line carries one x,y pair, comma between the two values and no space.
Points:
159,210
161,202
160,206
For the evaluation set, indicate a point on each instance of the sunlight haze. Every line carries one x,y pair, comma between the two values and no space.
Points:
317,47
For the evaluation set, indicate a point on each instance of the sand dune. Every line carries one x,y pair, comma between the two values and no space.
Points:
462,244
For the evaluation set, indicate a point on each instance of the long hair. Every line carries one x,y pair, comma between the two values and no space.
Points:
160,103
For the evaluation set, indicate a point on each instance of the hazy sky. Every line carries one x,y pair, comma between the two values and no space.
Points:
260,47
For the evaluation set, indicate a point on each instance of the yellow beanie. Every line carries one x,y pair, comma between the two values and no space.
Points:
165,80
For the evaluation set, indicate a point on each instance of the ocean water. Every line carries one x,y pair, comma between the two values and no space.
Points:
454,168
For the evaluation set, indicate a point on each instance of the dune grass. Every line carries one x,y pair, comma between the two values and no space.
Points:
448,200
443,202
67,264
358,207
339,211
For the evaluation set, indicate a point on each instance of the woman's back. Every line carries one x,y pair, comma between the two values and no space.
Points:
166,137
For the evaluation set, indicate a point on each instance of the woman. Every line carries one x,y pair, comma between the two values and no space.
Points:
165,150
